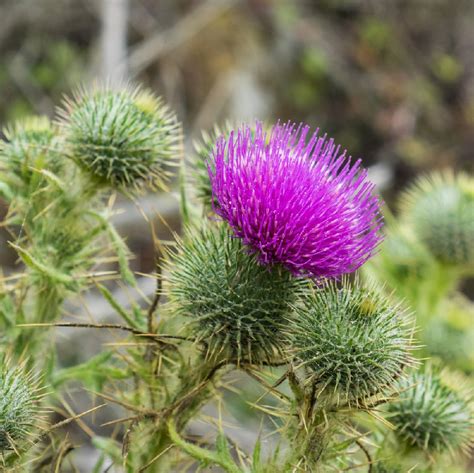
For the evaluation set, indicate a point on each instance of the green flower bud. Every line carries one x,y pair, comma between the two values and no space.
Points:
430,414
352,341
19,406
235,305
125,139
31,146
440,208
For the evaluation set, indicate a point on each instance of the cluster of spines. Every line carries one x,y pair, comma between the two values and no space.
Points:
125,139
433,414
440,208
351,340
236,306
20,412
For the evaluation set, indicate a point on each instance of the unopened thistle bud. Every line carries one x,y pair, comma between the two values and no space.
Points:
125,139
30,147
352,342
440,208
236,306
431,414
19,406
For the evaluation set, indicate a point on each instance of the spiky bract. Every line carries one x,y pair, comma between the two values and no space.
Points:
295,201
430,414
125,139
31,146
236,306
19,405
440,207
351,340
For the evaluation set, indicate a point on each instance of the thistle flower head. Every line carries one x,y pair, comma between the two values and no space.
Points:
440,207
431,414
295,201
352,341
19,405
235,305
125,139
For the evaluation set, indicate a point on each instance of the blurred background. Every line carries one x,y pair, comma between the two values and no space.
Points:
391,80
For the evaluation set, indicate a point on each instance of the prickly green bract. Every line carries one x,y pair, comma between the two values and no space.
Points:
430,414
234,304
125,139
352,342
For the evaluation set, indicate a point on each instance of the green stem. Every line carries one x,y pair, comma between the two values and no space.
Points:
203,455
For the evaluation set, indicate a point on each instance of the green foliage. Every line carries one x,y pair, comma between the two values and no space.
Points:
384,467
440,208
432,415
19,405
236,306
125,139
352,341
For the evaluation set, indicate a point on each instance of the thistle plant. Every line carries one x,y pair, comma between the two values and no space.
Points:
256,293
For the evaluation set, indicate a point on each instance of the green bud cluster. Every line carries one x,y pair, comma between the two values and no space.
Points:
440,208
430,414
125,139
352,341
237,307
19,406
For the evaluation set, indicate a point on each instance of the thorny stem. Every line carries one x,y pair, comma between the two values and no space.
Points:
367,454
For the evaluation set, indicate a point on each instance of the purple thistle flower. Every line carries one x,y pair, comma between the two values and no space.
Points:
296,202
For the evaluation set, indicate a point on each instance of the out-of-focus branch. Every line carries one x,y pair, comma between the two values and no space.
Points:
114,40
163,42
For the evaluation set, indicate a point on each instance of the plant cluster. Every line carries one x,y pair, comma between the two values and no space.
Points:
258,287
